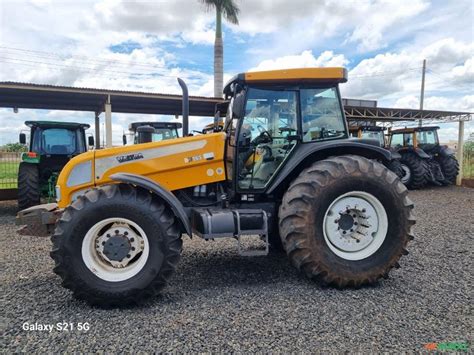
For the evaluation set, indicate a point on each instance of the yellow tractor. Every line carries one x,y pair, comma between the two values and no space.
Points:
282,170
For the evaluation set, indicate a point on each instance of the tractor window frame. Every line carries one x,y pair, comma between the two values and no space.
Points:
240,121
425,133
345,127
36,144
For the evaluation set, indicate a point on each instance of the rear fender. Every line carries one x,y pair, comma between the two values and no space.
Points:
419,152
170,199
445,151
307,153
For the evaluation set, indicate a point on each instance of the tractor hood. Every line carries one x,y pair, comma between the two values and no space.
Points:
174,164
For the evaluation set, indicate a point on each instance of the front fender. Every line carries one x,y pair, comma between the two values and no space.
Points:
307,153
170,199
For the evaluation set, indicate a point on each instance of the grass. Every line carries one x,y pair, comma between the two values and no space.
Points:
468,168
9,174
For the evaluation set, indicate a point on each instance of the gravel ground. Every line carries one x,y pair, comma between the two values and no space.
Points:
220,301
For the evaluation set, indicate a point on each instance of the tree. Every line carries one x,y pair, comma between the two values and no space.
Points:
14,147
230,11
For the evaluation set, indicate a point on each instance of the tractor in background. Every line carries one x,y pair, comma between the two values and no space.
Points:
52,145
144,132
423,159
376,133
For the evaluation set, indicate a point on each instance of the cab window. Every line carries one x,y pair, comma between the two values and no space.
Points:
322,114
396,140
426,137
266,135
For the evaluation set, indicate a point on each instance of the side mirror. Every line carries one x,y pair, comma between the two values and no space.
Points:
238,106
124,139
22,138
90,141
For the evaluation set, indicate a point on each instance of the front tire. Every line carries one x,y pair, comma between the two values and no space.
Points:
29,193
346,221
396,167
415,171
116,245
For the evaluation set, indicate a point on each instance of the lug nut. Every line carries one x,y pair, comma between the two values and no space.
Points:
128,255
133,248
108,235
116,231
132,239
125,233
103,243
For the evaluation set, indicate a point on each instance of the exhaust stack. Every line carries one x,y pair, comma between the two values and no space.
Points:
185,110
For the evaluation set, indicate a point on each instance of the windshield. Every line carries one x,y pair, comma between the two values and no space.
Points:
322,114
163,134
59,141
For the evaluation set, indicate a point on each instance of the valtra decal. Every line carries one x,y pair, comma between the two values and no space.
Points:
129,157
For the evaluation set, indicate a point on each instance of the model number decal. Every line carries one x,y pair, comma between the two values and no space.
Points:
129,157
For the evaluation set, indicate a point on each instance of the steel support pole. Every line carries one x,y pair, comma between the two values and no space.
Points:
460,152
422,93
97,131
108,123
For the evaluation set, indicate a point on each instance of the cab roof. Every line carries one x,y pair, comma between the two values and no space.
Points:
367,128
300,75
56,124
414,129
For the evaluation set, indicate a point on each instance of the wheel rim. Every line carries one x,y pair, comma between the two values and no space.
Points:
115,249
406,173
355,225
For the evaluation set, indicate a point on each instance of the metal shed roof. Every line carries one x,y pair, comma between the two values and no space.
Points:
51,97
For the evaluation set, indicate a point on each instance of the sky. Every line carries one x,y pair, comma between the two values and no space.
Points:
146,45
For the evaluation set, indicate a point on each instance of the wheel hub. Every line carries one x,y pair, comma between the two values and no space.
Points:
346,222
117,247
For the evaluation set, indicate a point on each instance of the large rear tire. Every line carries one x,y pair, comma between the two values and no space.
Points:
416,171
116,245
346,221
29,193
450,167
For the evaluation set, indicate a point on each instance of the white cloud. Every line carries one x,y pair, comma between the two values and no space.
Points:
303,60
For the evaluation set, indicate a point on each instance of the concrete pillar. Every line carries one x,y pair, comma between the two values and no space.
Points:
97,130
108,123
460,152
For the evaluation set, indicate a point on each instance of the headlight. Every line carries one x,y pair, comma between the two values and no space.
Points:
80,174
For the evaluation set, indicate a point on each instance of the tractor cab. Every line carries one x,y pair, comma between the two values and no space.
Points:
51,146
144,132
368,132
425,138
273,115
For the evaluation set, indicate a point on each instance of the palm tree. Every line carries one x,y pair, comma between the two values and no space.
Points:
230,10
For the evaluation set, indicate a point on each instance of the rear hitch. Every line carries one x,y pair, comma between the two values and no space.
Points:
38,221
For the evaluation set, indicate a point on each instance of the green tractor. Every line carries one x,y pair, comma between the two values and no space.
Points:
52,145
144,132
423,159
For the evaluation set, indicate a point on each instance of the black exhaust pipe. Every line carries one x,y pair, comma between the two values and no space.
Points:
185,109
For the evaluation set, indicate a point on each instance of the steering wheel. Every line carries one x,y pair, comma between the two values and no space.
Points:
261,138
